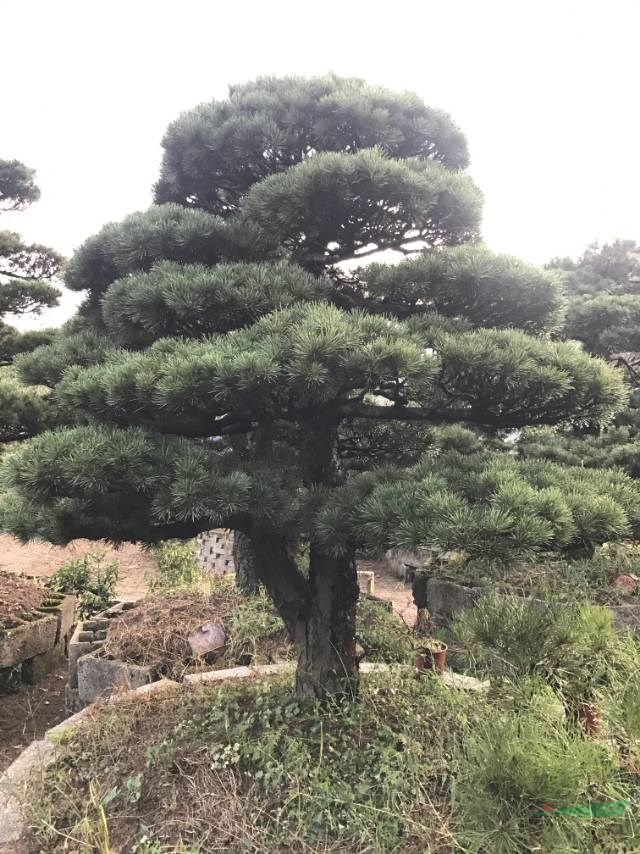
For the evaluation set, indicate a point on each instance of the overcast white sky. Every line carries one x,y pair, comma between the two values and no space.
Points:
546,91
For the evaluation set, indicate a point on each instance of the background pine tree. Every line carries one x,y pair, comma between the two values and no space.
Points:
603,289
25,273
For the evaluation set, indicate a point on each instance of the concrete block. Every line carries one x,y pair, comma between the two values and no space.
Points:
72,702
447,599
63,607
14,786
99,676
33,669
67,616
93,625
76,650
404,565
366,581
28,639
218,675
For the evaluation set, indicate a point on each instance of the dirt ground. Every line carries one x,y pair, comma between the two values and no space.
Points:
42,559
26,716
387,586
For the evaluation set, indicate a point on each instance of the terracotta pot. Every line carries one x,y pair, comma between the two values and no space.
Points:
591,719
432,659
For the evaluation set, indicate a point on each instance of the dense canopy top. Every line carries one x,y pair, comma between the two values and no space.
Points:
215,153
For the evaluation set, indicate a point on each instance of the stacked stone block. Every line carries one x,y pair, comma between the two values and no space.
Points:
38,644
89,636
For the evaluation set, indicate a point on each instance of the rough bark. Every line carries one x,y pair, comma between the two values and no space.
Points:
245,563
319,613
327,660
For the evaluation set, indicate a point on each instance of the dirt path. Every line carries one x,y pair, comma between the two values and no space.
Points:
42,559
387,586
26,716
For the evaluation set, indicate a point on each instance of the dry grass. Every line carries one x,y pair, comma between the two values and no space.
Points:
155,633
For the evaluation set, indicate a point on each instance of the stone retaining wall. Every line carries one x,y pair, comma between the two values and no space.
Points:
92,675
448,599
37,645
88,637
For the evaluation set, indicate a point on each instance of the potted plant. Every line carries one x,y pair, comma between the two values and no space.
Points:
431,654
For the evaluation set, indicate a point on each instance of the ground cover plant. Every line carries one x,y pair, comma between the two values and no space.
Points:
412,766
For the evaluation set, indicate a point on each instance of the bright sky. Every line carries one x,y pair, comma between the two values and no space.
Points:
546,91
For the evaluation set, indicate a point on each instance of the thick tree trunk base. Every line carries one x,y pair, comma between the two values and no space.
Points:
327,659
319,612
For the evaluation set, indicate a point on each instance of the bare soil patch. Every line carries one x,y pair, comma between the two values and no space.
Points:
391,588
18,598
25,717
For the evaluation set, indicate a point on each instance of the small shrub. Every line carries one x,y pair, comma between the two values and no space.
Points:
91,579
515,767
382,634
513,636
178,568
256,632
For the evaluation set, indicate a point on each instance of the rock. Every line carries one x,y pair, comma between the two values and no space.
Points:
207,638
626,583
10,679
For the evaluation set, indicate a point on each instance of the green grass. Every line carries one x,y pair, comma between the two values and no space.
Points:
249,768
411,766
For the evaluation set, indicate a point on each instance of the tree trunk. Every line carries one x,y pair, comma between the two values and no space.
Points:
245,564
319,613
327,662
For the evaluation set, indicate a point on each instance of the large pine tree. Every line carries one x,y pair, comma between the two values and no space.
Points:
229,365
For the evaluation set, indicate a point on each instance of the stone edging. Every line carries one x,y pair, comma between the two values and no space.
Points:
14,782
